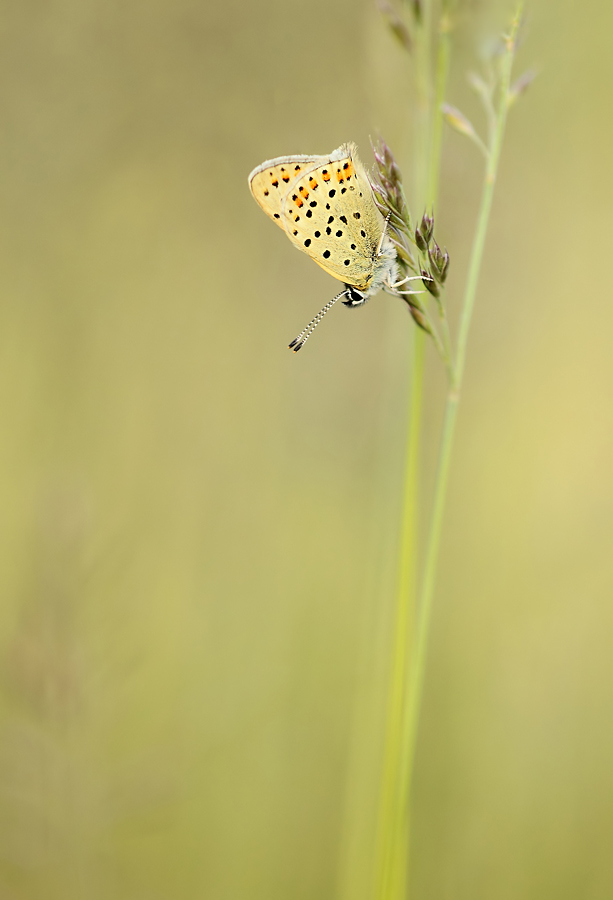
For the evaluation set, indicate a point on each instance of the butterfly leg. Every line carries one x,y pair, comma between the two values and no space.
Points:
398,284
382,238
306,333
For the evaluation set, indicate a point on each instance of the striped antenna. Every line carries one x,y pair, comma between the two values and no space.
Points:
306,333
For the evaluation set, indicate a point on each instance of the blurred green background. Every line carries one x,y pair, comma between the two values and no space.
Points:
199,529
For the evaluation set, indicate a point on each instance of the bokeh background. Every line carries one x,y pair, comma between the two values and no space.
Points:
198,529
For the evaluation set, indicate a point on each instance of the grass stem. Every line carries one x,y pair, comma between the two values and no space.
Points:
412,626
391,840
443,57
417,668
394,831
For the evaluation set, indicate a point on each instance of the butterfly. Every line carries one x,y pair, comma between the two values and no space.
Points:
326,207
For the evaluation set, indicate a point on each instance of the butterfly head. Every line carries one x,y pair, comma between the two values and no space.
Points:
354,297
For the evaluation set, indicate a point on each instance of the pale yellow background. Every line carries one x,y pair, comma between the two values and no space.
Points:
198,528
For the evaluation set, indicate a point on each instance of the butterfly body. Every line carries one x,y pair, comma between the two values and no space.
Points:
326,207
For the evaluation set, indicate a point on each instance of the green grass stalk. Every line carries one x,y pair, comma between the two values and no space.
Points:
394,828
443,57
417,668
390,840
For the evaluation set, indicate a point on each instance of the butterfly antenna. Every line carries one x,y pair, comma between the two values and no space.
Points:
306,333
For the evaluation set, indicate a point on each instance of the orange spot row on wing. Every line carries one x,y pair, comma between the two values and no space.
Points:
344,173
